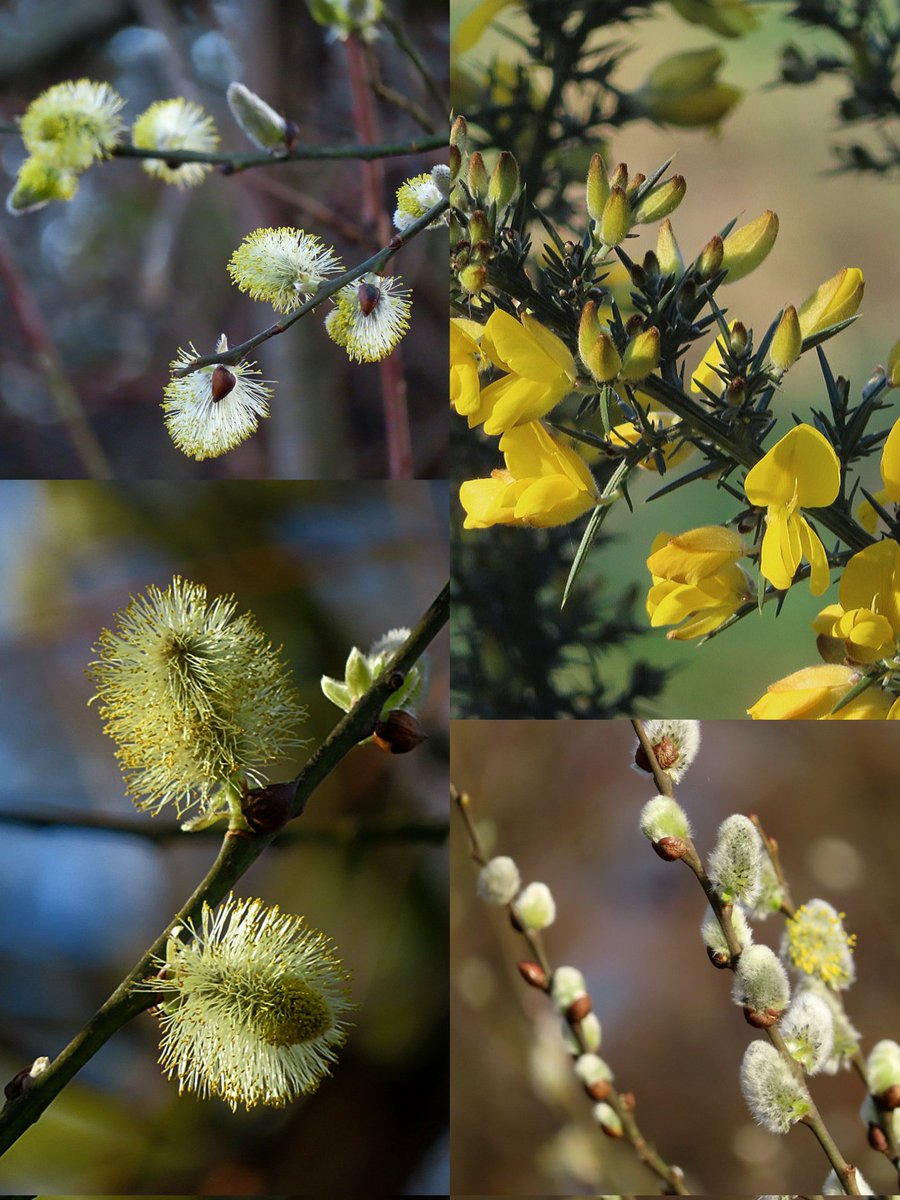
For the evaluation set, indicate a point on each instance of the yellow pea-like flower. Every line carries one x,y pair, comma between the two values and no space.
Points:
811,693
832,302
745,248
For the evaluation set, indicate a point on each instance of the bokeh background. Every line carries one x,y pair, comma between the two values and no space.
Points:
563,801
323,568
132,268
774,150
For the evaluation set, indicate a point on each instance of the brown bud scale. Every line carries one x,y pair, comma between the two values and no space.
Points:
534,974
369,295
718,959
670,849
223,382
268,809
399,732
890,1098
763,1019
877,1139
599,1090
579,1009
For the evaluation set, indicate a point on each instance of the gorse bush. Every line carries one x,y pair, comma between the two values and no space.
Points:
795,999
572,354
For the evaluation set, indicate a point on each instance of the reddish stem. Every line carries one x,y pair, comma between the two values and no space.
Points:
376,216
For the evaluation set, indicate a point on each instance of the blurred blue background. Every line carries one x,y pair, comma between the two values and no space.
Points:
322,567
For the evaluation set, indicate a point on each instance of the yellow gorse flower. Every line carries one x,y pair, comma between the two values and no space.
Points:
801,470
695,575
544,483
539,371
867,619
832,302
890,477
811,693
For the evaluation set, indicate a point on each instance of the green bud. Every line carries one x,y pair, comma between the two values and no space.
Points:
504,182
745,248
734,865
615,221
710,259
597,188
660,200
787,340
761,982
357,674
641,355
883,1067
603,359
478,177
459,133
667,251
664,817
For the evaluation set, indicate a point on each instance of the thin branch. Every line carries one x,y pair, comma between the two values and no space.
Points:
621,1102
238,852
398,33
345,833
376,263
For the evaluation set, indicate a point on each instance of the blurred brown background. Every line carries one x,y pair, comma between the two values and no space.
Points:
563,801
132,268
322,568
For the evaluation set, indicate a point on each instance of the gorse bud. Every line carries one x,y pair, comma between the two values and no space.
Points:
266,128
775,1096
498,880
615,221
641,356
567,987
675,745
815,943
477,176
175,125
660,200
459,133
734,865
747,247
667,252
504,182
832,302
883,1067
603,359
808,1031
761,982
73,123
711,256
282,266
195,697
370,317
597,188
255,1006
663,817
714,938
787,340
589,329
535,907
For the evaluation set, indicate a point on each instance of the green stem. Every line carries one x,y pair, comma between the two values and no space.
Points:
376,263
238,852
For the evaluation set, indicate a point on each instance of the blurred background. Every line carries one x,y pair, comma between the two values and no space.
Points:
322,568
563,801
774,150
132,268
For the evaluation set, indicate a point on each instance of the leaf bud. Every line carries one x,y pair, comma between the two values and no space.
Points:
660,200
398,732
745,248
533,974
223,381
499,881
579,1009
535,907
597,188
504,182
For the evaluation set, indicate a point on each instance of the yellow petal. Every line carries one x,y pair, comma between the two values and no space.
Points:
745,248
705,372
833,301
808,694
691,556
802,465
890,464
871,579
777,561
813,551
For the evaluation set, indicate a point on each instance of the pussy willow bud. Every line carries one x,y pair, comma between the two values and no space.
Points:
784,349
535,907
615,220
498,880
777,1099
595,1074
883,1067
589,1035
266,128
660,200
567,987
745,248
478,177
664,817
675,745
846,1037
761,983
734,865
808,1032
504,182
24,1079
714,938
608,1120
597,188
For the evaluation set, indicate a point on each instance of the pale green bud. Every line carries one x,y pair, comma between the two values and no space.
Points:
661,200
603,359
761,982
498,880
535,906
589,1026
714,938
808,1030
589,329
591,1069
641,356
504,182
597,188
771,891
266,128
846,1038
615,220
357,673
668,254
477,176
734,865
608,1119
568,985
777,1099
883,1066
663,817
